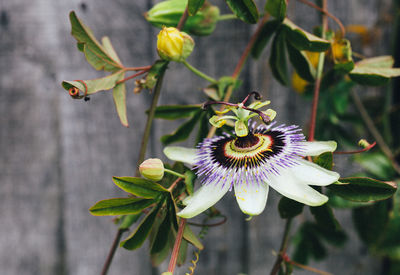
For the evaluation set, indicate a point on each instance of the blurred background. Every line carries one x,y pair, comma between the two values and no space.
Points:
58,155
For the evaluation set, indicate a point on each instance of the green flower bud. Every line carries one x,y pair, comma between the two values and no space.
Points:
173,45
152,169
168,13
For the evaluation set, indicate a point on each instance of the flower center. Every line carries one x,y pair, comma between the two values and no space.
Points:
249,146
246,144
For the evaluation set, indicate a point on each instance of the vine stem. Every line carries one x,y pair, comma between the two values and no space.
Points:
142,153
282,249
318,79
177,244
149,122
240,64
199,73
227,17
374,131
114,246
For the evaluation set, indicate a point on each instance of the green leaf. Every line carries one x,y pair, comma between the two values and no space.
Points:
192,238
194,6
190,177
128,220
95,53
119,94
95,85
363,189
266,32
224,82
154,73
277,8
303,40
339,202
137,238
161,239
245,10
203,127
172,112
182,253
308,244
325,218
277,59
370,221
325,160
301,63
377,164
389,245
168,13
139,187
373,76
120,206
289,208
385,61
183,131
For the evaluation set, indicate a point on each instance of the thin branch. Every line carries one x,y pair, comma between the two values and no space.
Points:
149,122
183,19
342,28
209,225
132,76
282,250
356,151
111,253
137,68
374,131
177,244
317,84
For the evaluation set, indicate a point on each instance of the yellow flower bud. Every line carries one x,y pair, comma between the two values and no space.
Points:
152,169
299,84
174,45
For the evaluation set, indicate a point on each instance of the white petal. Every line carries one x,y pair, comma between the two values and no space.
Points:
182,154
310,173
205,197
315,148
290,187
252,197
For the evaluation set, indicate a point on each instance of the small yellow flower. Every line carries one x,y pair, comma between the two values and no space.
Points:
152,169
174,45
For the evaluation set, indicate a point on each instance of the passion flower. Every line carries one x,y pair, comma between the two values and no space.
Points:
267,156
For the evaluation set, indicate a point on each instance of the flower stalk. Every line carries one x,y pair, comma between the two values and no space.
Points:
199,73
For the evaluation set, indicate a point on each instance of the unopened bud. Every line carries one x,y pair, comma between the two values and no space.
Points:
174,45
363,143
152,169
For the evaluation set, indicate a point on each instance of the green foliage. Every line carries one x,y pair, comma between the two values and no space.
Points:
245,10
277,8
95,53
277,59
363,189
183,131
301,63
194,6
303,40
137,237
374,71
308,244
192,238
120,206
139,187
266,32
203,19
289,208
377,164
172,112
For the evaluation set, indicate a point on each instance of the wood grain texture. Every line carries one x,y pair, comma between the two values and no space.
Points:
58,154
